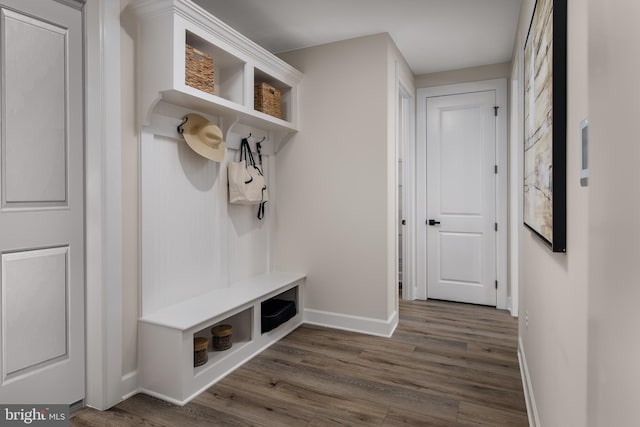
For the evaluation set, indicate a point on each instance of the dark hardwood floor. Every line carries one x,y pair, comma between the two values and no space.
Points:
447,364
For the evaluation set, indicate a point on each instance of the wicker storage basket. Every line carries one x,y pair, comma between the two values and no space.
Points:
266,98
222,337
198,71
200,355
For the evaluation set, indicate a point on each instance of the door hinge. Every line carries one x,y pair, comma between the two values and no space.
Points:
495,111
496,284
496,225
495,169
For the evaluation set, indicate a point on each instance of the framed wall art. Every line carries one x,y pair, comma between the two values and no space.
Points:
545,123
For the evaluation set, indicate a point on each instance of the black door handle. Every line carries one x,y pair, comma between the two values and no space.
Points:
433,222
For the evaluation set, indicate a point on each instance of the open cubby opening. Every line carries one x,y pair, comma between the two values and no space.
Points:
242,327
228,70
260,76
278,310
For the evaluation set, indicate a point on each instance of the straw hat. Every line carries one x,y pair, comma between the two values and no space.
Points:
203,137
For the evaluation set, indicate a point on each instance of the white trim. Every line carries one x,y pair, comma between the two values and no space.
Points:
130,383
500,88
407,93
103,205
202,19
516,163
532,410
346,322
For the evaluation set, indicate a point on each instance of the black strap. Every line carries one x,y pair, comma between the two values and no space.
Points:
261,205
261,210
259,149
245,152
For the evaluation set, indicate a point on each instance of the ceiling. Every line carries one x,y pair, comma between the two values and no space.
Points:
433,35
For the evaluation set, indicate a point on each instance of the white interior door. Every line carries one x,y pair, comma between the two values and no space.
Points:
42,204
461,198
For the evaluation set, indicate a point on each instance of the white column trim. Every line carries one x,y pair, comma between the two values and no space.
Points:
103,204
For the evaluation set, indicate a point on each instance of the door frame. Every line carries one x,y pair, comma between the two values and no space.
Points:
406,137
500,87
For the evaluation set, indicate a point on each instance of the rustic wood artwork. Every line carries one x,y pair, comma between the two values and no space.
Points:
545,124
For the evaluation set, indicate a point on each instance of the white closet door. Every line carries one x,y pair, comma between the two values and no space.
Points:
42,204
461,197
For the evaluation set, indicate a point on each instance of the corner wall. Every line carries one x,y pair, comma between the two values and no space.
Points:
553,287
335,179
614,210
130,202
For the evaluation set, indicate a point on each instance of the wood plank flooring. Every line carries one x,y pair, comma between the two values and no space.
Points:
447,364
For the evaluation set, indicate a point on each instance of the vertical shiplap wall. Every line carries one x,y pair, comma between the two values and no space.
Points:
192,240
182,223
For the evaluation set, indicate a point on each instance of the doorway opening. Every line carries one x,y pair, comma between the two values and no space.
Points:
405,157
426,244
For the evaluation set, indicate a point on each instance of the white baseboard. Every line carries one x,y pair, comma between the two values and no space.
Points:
363,325
130,384
532,410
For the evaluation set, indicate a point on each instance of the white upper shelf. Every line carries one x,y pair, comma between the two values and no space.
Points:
164,26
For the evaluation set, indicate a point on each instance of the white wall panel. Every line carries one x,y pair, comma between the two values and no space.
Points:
183,220
460,149
34,308
461,257
34,110
249,239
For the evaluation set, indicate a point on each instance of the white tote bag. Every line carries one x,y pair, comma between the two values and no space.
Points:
247,185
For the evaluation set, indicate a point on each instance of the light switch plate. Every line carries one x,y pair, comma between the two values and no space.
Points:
584,158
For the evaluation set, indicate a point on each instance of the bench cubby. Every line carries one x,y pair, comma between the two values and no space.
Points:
166,337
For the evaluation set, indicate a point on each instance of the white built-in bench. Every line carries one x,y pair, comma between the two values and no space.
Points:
166,336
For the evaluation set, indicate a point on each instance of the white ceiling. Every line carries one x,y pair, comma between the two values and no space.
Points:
433,35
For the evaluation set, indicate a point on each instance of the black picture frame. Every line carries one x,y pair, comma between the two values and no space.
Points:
545,126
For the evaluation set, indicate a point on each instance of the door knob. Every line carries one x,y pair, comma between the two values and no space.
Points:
433,222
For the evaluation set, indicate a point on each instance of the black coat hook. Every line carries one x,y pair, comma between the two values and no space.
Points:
184,120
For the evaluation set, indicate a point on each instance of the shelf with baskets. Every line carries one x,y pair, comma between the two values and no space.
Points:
189,58
241,335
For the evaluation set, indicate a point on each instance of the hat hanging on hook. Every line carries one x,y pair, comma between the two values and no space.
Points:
204,137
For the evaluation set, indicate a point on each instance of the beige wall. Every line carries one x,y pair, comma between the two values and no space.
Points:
614,213
553,290
465,75
333,179
130,232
